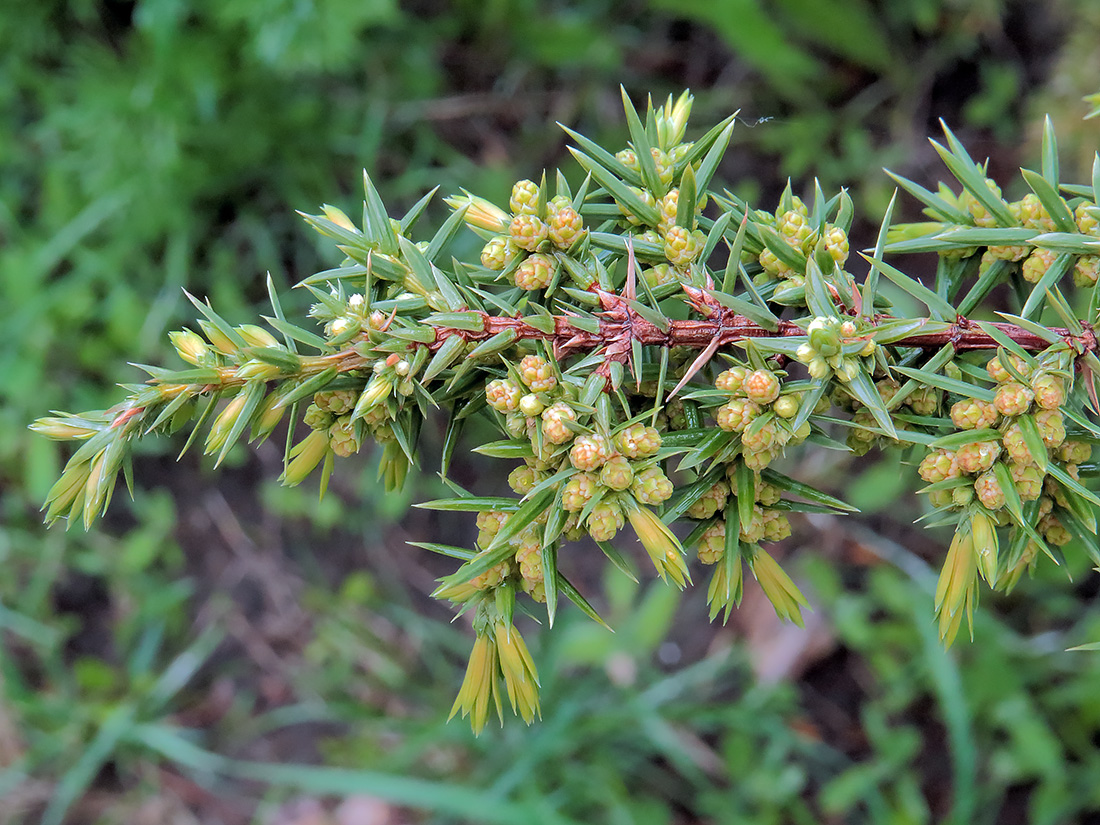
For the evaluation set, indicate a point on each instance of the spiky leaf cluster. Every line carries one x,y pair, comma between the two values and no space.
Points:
650,349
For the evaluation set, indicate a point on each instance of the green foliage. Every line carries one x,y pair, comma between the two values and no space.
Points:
592,409
247,110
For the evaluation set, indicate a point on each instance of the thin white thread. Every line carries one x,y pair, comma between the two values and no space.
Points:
754,123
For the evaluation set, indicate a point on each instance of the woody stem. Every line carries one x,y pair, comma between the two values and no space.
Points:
618,327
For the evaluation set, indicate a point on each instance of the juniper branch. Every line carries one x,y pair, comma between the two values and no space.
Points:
999,437
622,324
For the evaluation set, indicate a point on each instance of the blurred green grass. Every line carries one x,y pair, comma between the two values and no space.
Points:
149,146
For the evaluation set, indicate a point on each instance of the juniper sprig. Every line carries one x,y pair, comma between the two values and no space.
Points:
649,346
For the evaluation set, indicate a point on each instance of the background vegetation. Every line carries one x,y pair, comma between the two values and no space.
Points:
150,671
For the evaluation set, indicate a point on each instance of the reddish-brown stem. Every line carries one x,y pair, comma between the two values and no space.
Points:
619,326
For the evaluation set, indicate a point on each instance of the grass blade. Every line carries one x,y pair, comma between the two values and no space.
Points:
77,779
